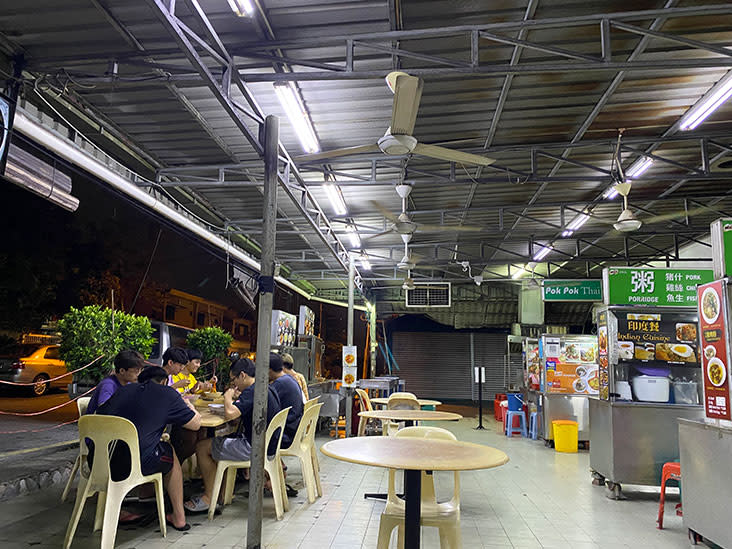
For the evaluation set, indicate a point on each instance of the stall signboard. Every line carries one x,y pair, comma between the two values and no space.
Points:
532,359
574,369
722,247
603,370
350,366
658,339
653,287
714,323
284,329
306,325
572,290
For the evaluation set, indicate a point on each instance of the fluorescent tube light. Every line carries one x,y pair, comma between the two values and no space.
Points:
242,8
639,167
298,116
715,97
365,263
336,199
542,253
518,274
575,224
353,236
611,193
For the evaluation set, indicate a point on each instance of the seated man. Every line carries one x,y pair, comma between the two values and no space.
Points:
174,359
289,394
288,364
127,366
188,373
238,402
151,405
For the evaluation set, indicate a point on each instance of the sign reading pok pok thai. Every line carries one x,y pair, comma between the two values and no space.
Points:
713,321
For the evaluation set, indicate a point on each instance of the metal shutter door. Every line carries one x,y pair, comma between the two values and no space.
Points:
490,351
434,364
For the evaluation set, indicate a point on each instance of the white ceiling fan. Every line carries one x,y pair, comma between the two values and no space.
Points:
398,139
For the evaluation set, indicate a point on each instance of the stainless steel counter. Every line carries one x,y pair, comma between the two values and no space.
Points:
572,407
630,441
706,493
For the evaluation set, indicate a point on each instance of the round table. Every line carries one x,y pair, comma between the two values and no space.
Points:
414,455
410,416
383,401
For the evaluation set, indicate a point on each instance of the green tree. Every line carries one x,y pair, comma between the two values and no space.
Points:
213,343
93,330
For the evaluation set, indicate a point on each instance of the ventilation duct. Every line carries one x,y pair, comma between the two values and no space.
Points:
429,295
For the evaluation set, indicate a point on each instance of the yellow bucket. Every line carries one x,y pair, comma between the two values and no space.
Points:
565,435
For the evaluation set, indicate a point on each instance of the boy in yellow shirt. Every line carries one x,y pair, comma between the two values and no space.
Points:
186,383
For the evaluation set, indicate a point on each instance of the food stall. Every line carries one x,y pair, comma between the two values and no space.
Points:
532,371
569,377
649,372
706,496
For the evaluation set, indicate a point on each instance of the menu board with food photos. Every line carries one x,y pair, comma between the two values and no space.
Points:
306,326
284,329
714,323
602,356
574,370
658,339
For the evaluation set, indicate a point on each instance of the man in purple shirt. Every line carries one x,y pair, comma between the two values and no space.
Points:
127,366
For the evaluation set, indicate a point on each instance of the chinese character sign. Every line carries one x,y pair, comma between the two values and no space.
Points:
653,287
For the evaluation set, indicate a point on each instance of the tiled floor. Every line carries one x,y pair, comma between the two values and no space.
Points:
539,499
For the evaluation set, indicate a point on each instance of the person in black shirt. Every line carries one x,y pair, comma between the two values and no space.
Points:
289,394
238,402
151,405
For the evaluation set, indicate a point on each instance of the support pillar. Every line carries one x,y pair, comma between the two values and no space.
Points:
349,337
264,328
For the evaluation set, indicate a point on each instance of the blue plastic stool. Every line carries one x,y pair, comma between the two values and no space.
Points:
510,429
534,425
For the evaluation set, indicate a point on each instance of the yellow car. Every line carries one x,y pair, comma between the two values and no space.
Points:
36,363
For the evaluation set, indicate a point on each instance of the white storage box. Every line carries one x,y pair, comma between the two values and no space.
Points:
651,388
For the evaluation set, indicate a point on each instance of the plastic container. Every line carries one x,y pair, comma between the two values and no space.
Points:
685,392
515,402
651,388
566,435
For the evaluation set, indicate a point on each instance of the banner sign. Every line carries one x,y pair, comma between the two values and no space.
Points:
602,356
714,324
653,287
350,367
572,290
658,339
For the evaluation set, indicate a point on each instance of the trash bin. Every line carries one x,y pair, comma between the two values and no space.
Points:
566,434
515,402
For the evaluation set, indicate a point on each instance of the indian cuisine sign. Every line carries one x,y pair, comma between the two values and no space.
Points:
350,366
659,339
715,348
653,287
572,290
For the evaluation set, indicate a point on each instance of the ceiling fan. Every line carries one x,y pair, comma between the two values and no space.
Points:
398,139
403,225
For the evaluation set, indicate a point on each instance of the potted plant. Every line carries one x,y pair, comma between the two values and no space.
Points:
213,343
94,331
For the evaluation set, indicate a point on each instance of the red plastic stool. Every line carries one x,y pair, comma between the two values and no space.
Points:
500,397
671,471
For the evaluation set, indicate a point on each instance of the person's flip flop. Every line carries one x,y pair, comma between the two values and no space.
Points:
196,505
291,492
183,528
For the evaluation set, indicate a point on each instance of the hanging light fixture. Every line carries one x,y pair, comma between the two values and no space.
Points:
297,114
711,101
243,8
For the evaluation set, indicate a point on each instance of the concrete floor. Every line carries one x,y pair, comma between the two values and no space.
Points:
539,499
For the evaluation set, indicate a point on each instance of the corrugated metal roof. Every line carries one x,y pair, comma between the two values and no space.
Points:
166,110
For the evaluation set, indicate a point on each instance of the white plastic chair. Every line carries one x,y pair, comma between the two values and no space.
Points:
302,447
272,464
364,403
316,464
445,516
105,432
399,401
82,404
